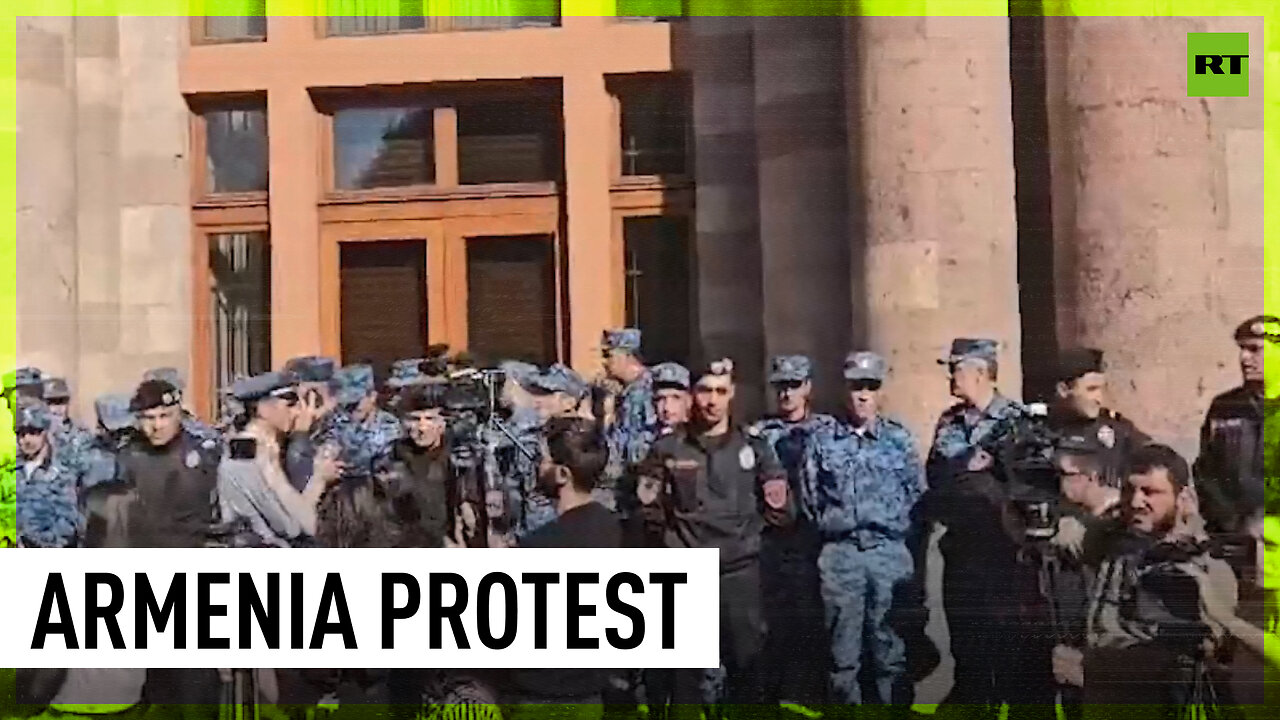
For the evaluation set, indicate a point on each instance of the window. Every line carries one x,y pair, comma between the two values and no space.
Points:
659,285
249,24
513,141
236,150
240,305
370,17
511,299
383,147
655,124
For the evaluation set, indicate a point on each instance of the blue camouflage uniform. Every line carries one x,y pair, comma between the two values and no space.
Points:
48,512
538,509
979,560
635,421
859,486
113,417
192,425
71,443
302,447
365,442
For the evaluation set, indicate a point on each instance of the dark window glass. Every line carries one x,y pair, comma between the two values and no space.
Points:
369,17
660,286
384,302
508,142
236,156
511,301
655,123
383,147
250,24
240,301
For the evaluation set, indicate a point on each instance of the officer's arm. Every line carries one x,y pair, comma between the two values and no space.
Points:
769,474
651,488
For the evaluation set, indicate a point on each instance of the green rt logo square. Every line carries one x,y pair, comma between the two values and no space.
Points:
1217,64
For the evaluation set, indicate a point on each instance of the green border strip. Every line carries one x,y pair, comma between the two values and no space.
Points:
1269,10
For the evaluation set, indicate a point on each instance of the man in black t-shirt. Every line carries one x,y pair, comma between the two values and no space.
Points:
572,462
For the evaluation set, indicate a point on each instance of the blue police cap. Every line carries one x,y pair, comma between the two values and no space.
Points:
864,365
671,375
561,378
113,411
260,386
971,349
56,389
790,368
353,383
167,374
625,339
523,373
405,373
311,368
32,416
27,376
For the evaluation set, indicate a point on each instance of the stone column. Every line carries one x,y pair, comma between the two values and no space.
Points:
930,129
46,202
727,225
1158,212
801,152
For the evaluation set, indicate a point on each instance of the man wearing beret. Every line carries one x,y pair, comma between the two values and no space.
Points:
978,557
634,420
172,472
190,423
1240,438
1080,409
714,484
48,504
789,555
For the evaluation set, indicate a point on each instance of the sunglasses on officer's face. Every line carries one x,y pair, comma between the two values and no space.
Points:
860,385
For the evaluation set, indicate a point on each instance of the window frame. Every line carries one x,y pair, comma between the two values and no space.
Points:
201,194
618,85
197,35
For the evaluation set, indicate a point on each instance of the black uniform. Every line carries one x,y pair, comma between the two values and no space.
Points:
1235,453
1117,437
711,497
423,495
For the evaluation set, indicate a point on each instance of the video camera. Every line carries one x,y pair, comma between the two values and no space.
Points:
1024,464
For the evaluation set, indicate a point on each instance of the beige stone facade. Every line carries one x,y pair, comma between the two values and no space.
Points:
854,182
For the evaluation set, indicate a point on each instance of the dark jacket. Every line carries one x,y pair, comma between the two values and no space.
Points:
1235,458
1115,433
712,492
169,490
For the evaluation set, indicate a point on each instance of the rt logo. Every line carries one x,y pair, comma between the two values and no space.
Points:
1217,64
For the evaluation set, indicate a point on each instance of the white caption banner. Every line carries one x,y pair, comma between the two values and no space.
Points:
663,602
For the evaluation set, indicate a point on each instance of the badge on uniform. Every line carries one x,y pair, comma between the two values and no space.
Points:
193,460
1107,436
747,457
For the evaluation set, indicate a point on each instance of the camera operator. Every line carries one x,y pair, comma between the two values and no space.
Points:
1150,644
253,490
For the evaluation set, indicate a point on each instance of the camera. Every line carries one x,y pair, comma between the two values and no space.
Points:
473,391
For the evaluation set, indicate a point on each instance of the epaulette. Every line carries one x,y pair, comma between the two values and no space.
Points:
753,430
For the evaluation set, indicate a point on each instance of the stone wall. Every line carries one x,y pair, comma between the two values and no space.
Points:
104,236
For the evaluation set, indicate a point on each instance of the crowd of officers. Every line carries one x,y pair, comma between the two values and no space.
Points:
1126,587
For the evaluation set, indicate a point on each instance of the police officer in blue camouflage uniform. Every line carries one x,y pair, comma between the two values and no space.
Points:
317,421
796,648
672,401
979,562
48,507
404,374
366,433
634,422
861,478
29,383
190,423
71,443
559,392
115,430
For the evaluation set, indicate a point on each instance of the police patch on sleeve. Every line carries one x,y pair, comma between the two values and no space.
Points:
1107,436
747,457
193,460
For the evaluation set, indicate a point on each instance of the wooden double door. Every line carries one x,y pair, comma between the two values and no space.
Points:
489,285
